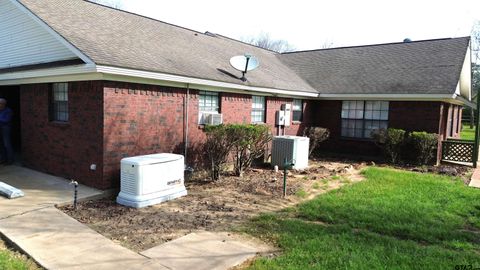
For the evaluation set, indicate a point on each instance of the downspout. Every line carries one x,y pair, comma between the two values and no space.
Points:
187,103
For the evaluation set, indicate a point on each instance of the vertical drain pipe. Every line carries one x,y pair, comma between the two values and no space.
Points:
187,103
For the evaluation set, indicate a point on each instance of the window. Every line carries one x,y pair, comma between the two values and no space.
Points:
258,109
208,102
297,109
360,118
59,102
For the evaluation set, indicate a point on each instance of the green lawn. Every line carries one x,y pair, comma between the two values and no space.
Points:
394,219
467,133
10,260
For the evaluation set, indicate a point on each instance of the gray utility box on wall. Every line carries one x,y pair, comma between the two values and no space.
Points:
294,148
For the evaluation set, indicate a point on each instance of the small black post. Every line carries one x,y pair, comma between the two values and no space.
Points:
286,165
75,194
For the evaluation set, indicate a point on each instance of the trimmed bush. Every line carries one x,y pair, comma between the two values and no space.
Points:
244,142
424,146
316,135
249,143
217,147
391,141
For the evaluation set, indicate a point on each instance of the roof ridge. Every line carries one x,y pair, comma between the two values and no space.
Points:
143,16
246,43
178,26
377,44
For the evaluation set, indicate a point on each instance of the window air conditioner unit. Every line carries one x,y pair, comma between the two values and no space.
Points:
213,119
151,179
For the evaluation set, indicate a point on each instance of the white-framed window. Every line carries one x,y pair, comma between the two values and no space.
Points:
297,110
360,118
258,109
208,102
59,102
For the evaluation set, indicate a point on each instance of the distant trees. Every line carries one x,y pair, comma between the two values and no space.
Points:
475,47
264,40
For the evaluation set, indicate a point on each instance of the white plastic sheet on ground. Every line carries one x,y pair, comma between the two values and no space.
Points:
10,192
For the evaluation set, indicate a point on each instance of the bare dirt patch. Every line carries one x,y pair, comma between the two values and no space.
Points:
212,206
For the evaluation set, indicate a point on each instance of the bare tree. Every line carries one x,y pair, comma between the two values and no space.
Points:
475,42
326,44
111,3
263,40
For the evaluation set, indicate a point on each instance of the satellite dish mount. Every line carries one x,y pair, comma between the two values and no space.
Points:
244,63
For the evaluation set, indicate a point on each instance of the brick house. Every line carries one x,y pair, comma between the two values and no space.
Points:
90,85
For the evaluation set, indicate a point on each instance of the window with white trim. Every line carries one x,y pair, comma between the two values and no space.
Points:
360,118
258,109
208,102
297,110
59,102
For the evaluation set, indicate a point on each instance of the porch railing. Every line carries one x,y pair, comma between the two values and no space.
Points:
458,150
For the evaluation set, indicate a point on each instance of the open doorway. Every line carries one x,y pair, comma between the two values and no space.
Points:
12,95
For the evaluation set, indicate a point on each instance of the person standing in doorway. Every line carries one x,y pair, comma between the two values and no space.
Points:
6,115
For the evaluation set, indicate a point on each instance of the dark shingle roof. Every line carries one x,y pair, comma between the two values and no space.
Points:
121,39
422,67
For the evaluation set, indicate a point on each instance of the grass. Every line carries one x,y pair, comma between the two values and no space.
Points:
13,260
467,133
394,219
301,193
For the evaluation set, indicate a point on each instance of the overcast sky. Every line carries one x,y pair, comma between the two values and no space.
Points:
311,24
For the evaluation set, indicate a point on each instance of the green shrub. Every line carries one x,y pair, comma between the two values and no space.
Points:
424,146
316,135
391,141
249,143
244,142
217,147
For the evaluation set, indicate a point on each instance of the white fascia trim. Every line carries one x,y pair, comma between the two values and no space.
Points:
463,101
406,97
69,73
56,35
196,82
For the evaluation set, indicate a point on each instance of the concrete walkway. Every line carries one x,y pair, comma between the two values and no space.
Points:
57,241
41,190
205,251
475,179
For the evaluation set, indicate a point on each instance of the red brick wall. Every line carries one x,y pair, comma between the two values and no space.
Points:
111,120
143,119
408,115
65,150
415,115
236,108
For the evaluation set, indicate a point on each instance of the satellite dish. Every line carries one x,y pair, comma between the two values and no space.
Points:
244,63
